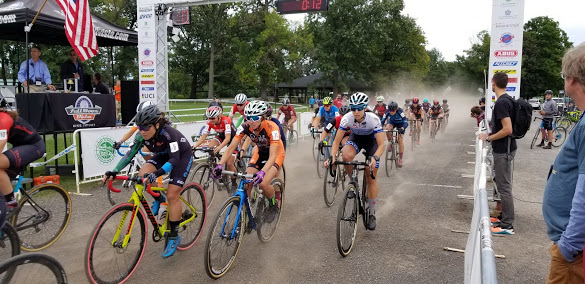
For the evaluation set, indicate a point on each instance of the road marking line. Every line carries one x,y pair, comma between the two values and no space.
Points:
473,163
467,176
471,153
439,185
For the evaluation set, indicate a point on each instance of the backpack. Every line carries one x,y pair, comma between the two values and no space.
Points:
522,118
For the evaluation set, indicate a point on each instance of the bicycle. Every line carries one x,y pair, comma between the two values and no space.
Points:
392,156
332,181
568,120
445,122
240,210
315,142
415,133
352,206
426,122
201,174
559,134
435,122
42,215
110,245
292,136
32,268
322,156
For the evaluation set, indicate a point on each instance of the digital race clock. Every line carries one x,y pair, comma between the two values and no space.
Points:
301,6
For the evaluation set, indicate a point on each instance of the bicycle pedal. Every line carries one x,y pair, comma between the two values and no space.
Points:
156,237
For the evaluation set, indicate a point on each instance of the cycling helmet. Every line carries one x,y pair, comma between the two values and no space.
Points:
240,99
148,115
255,108
392,106
407,100
415,100
213,112
343,110
444,101
548,92
482,100
380,99
285,101
143,105
327,100
425,100
358,99
269,110
435,102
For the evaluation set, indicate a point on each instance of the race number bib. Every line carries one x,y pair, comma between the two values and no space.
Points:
174,147
3,134
275,135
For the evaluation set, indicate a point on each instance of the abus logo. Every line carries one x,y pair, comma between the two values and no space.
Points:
145,16
147,63
506,53
506,63
152,70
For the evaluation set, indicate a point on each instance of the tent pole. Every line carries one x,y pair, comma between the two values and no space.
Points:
26,31
37,15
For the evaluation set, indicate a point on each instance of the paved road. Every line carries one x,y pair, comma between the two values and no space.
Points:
416,214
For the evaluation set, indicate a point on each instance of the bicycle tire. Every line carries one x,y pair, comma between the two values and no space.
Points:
330,186
201,175
94,268
315,149
35,205
230,207
9,241
538,130
395,154
560,135
266,230
10,267
347,213
194,195
388,163
320,161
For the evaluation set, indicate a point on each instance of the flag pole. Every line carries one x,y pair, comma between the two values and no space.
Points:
26,31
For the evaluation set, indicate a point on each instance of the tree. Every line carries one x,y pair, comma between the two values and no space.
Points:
438,74
543,48
472,65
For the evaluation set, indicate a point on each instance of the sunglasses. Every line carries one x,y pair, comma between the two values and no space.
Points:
357,108
240,105
144,128
253,118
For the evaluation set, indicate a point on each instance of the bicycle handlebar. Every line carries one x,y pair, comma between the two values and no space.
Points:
203,149
139,151
135,179
354,163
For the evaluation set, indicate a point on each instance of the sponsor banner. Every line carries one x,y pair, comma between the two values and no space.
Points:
146,21
110,34
98,153
190,129
506,46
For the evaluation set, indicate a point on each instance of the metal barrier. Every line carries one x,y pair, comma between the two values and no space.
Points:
480,261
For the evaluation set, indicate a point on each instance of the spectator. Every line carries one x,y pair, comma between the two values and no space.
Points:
482,103
345,101
548,110
338,102
504,149
39,78
215,102
477,113
73,69
312,102
100,87
118,96
563,205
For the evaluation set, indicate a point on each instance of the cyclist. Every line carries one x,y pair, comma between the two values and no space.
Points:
406,105
548,110
27,146
223,126
277,122
334,124
269,157
290,116
366,134
326,113
415,112
129,134
172,154
338,102
380,107
435,112
426,105
445,107
240,102
395,118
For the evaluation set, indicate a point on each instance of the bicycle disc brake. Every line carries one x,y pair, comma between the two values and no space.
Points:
156,237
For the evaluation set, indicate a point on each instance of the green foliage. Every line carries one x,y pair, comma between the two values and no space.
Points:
471,66
438,74
543,48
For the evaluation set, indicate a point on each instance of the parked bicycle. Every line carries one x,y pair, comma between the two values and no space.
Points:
559,134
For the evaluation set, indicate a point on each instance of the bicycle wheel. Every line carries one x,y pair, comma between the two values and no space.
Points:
201,175
42,217
32,268
559,136
535,138
320,161
221,247
9,242
294,137
389,160
331,185
266,230
192,194
316,151
395,154
106,260
347,221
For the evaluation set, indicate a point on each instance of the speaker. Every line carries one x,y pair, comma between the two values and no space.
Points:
130,96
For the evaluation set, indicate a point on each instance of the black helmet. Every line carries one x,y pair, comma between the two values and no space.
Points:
444,101
269,110
148,115
343,110
548,92
392,106
482,100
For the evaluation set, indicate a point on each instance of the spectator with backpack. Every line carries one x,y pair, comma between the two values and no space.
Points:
504,149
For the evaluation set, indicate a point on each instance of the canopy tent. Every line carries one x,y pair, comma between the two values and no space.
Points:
50,25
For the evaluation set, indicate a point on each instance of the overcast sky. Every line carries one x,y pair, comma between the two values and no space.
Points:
449,25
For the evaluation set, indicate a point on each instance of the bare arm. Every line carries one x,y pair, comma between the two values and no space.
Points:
271,157
200,141
230,149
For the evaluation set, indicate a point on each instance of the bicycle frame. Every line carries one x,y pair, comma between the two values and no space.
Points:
242,193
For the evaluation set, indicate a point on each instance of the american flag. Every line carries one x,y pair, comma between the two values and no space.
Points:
79,27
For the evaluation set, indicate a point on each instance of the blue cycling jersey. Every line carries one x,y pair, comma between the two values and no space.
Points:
398,119
328,115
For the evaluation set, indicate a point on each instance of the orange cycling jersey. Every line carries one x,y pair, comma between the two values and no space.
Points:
416,110
267,134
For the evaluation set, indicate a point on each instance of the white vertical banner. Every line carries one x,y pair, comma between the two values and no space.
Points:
147,53
507,35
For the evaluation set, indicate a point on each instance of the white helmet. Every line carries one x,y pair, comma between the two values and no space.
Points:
285,101
255,108
380,99
240,99
143,105
358,99
213,112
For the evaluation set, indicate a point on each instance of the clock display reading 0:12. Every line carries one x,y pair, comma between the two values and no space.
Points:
301,6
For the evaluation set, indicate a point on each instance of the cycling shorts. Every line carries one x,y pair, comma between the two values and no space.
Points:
547,123
259,159
220,137
180,171
20,156
359,142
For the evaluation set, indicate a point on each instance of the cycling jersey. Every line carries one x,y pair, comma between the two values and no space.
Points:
426,106
445,108
268,134
171,148
282,136
381,109
288,112
224,127
406,106
397,119
369,126
435,111
328,115
338,103
417,111
27,145
334,124
236,110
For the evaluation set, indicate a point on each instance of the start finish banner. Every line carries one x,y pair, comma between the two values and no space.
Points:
506,47
147,53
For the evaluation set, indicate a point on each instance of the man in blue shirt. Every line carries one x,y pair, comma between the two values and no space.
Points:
39,78
563,205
